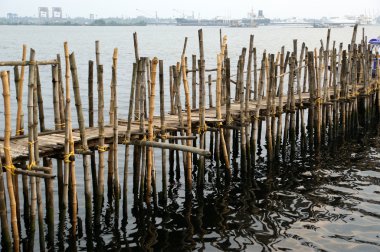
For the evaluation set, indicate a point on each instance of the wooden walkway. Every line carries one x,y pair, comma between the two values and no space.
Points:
51,143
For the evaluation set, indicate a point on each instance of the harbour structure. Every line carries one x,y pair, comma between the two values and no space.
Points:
266,103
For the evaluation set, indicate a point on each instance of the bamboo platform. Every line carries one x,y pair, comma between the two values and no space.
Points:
320,94
52,142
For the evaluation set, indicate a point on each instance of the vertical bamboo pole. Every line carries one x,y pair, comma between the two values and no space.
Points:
142,127
32,130
209,91
194,81
219,112
150,129
101,147
6,236
20,85
115,136
61,92
110,160
188,168
127,139
49,185
69,149
61,105
8,161
137,149
37,111
249,74
254,74
202,124
280,102
256,130
163,127
243,140
82,131
229,119
91,119
15,178
40,101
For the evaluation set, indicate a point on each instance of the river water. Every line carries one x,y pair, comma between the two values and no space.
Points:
324,201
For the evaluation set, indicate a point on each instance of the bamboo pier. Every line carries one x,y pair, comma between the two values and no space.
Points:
329,92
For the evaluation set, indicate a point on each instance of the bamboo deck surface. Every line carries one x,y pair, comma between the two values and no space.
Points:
51,143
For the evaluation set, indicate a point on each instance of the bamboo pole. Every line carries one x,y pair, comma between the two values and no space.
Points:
280,102
40,102
150,130
170,146
142,97
101,147
188,168
32,109
61,93
219,113
115,136
91,120
209,91
15,178
127,139
137,149
163,127
37,200
256,130
6,236
202,123
20,114
194,81
83,136
8,160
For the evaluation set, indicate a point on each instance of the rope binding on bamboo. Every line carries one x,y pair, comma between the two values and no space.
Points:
68,156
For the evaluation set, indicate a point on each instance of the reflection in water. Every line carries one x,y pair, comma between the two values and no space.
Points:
326,201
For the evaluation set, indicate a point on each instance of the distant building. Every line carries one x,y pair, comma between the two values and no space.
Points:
261,14
56,12
12,15
43,12
92,16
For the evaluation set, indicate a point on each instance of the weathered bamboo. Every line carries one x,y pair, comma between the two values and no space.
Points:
219,112
116,184
169,146
40,102
70,175
20,85
91,119
32,161
127,139
280,102
28,63
163,127
101,147
8,160
37,200
136,47
142,102
82,130
249,75
150,130
194,81
6,237
137,149
61,93
243,139
210,91
256,131
15,178
188,168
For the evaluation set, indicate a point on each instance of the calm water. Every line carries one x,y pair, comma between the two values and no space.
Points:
326,201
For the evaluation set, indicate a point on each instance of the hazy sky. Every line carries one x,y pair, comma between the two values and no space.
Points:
203,8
